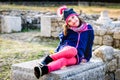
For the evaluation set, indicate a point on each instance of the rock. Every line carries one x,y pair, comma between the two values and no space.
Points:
104,19
10,24
116,43
117,56
88,71
117,23
107,40
117,74
105,53
116,34
112,65
98,40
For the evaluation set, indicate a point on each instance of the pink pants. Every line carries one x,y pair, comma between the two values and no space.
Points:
65,57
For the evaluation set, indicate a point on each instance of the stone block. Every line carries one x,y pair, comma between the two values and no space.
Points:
117,74
92,70
117,23
116,34
10,24
112,65
105,53
101,32
98,40
104,18
47,22
46,26
117,56
107,40
116,43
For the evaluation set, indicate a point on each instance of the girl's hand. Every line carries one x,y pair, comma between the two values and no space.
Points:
83,61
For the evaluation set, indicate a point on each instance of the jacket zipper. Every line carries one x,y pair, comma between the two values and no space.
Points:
77,46
78,40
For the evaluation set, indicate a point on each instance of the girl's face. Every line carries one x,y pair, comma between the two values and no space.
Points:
73,21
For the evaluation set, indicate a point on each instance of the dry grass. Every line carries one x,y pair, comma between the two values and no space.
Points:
12,52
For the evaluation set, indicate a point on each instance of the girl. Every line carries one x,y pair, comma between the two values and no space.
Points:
75,45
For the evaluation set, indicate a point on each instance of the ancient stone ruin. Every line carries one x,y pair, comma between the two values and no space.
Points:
105,62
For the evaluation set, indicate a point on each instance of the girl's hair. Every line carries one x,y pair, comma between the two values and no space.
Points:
66,26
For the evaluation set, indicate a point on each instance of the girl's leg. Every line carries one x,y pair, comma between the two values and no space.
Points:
55,65
66,52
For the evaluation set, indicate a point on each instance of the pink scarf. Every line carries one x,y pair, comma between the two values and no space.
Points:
82,28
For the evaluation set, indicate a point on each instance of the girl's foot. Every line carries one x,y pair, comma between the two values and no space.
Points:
37,72
40,71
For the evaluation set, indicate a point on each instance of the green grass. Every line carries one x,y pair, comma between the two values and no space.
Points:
12,52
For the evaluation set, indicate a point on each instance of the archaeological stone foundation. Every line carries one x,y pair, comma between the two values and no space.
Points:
105,62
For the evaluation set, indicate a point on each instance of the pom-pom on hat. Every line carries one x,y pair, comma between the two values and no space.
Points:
65,12
60,10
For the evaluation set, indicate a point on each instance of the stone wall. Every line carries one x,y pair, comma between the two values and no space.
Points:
30,19
107,32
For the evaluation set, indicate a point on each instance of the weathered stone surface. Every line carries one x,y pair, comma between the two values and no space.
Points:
116,43
105,53
104,19
107,40
117,74
117,56
101,32
117,23
112,65
49,26
98,40
24,71
109,32
0,23
54,34
10,24
46,26
117,34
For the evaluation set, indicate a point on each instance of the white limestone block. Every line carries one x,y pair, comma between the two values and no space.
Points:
46,26
11,24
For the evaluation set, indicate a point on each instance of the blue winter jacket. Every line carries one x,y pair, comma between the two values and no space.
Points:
83,41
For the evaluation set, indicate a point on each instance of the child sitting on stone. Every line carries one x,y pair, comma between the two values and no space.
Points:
75,44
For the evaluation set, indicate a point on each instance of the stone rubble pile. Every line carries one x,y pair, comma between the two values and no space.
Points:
111,58
107,32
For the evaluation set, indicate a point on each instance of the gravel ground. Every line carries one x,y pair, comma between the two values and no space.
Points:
22,36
